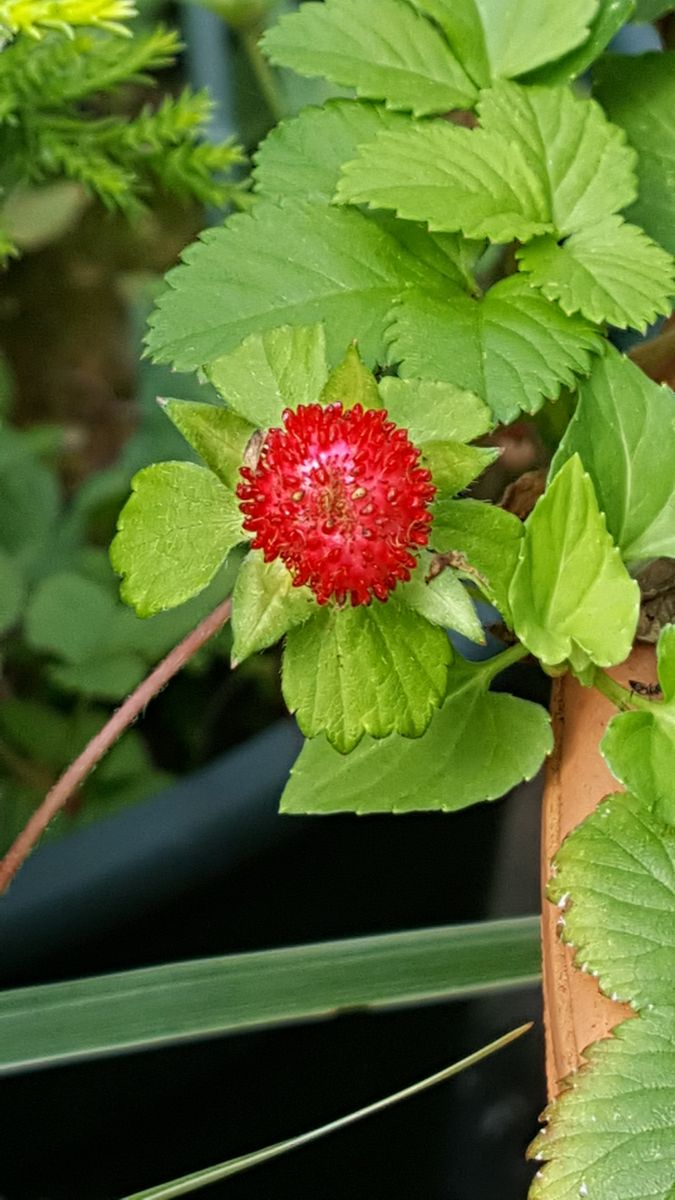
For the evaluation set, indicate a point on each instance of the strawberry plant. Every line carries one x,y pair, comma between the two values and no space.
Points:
451,247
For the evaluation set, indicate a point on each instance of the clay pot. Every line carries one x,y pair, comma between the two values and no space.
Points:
575,1011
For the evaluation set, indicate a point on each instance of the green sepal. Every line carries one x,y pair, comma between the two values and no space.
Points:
271,371
435,411
454,466
373,669
442,599
477,746
571,596
265,605
219,435
351,383
487,537
174,531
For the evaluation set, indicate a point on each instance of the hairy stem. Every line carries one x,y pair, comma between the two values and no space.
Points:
622,697
59,795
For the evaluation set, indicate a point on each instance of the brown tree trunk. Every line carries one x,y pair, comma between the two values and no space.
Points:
575,1011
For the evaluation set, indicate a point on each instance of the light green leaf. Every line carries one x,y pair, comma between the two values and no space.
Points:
477,746
498,41
585,167
471,181
351,383
234,1166
442,599
218,435
639,95
385,50
296,263
178,525
375,670
434,411
269,372
454,466
542,161
513,348
612,1132
488,537
610,17
12,591
610,272
640,746
163,1005
302,157
623,429
571,595
265,605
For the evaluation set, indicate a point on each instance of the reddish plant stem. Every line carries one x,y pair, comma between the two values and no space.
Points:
57,797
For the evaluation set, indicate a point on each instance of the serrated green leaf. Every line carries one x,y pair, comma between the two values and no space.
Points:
375,670
454,179
513,348
571,595
610,17
623,429
218,435
442,599
12,591
281,368
385,50
477,746
174,532
302,156
294,263
454,466
351,383
612,1132
542,161
585,167
610,272
265,605
488,537
639,95
497,41
434,411
640,746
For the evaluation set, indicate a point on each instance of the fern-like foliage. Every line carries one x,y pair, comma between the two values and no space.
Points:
35,16
51,93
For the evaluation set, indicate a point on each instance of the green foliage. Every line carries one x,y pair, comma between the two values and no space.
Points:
385,51
35,16
541,161
496,41
639,95
614,1126
12,591
623,429
442,599
512,348
49,128
174,532
219,435
488,538
434,411
640,746
265,605
610,16
351,383
302,157
375,670
477,746
333,265
269,372
571,596
608,272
